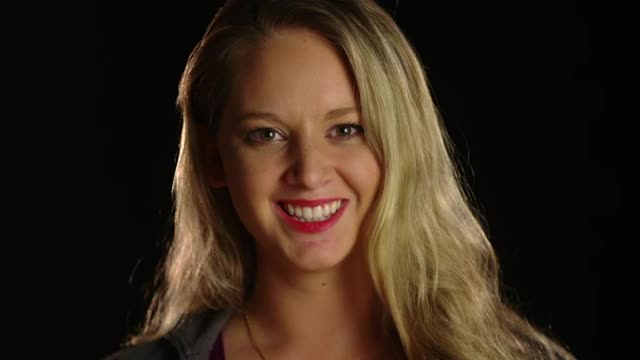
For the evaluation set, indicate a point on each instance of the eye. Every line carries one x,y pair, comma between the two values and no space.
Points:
263,135
347,131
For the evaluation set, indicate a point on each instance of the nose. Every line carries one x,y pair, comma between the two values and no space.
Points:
310,166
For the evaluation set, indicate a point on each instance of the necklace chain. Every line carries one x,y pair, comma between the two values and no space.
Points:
251,338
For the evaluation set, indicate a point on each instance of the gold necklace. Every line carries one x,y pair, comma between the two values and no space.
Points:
251,338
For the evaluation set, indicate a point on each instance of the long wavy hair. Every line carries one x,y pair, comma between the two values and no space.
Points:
432,265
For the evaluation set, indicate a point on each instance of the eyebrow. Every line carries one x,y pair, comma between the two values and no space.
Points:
336,113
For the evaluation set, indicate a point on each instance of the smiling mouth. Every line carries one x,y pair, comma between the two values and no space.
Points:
312,213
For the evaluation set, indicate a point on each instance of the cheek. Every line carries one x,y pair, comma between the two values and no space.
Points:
249,176
363,172
248,185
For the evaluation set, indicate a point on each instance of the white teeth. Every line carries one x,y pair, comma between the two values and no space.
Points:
316,213
307,213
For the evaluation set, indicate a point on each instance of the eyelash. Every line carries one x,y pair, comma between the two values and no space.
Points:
250,135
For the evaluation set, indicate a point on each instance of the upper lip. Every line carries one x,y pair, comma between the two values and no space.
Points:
309,202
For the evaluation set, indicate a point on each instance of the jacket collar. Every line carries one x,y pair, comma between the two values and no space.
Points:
194,338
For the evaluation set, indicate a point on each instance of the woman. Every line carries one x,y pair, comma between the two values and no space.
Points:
318,212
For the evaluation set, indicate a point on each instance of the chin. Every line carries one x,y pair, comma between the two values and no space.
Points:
319,258
316,265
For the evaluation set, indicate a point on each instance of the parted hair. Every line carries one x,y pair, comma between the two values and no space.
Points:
430,260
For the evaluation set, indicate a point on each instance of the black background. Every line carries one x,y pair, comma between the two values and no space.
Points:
536,96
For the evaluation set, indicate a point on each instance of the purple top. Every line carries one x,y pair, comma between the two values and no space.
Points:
217,351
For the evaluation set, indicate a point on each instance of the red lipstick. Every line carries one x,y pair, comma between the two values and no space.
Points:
310,203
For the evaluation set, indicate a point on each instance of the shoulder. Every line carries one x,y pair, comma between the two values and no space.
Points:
192,339
160,349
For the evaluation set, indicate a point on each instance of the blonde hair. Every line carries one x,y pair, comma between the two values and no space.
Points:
433,267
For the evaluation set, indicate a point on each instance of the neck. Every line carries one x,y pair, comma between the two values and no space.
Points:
333,309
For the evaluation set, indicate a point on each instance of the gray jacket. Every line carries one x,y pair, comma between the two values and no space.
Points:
192,340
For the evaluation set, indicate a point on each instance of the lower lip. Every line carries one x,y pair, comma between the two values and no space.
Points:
312,226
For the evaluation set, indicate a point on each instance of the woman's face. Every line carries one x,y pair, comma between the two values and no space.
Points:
291,141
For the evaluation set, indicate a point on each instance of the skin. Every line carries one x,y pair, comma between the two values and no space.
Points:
314,298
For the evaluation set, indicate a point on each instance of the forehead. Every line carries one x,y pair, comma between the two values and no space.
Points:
294,72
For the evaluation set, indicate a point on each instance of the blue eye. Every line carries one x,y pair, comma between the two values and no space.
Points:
347,131
263,135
